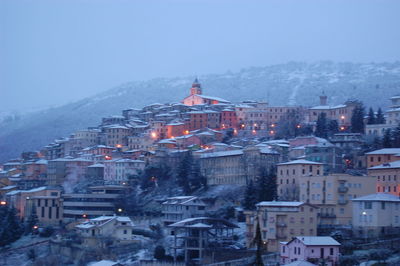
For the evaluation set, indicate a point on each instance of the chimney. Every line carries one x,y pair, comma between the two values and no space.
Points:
323,99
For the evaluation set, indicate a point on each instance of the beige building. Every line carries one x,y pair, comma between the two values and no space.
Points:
376,215
387,177
393,114
281,221
382,156
116,135
289,174
333,194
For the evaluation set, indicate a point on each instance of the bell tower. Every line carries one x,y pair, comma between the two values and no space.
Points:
196,87
323,99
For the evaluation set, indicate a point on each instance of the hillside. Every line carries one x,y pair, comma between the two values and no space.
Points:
292,83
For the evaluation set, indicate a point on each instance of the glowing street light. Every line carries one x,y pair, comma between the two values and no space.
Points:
3,203
153,135
119,210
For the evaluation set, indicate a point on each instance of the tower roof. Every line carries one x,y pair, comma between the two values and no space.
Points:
196,83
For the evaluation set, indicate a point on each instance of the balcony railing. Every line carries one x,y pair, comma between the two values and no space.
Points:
343,189
327,215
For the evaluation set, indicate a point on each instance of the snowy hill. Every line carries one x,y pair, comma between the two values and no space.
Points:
292,83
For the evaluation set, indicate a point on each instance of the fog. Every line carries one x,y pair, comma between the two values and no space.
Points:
55,52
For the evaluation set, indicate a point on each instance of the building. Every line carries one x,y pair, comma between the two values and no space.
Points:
289,174
236,166
376,215
197,237
118,171
332,194
314,249
48,210
116,135
102,200
176,209
196,96
100,231
281,221
393,114
387,177
382,156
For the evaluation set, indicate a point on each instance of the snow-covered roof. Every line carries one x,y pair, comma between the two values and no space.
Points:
385,151
267,150
280,203
391,165
7,187
295,263
300,162
222,154
378,197
103,263
97,165
318,240
212,98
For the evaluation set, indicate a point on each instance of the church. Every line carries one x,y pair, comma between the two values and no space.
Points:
196,96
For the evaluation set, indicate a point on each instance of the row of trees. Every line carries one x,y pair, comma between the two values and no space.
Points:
391,139
263,189
379,118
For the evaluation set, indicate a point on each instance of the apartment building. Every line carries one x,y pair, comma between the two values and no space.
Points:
382,156
376,215
289,174
387,177
281,221
333,194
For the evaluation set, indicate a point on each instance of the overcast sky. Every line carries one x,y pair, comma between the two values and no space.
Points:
53,52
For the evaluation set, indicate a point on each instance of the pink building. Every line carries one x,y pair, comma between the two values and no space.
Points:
313,249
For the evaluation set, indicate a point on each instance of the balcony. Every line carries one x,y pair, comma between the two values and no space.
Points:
281,224
343,189
342,202
281,236
327,215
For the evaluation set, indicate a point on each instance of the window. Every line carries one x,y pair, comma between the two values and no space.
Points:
367,205
125,232
331,251
383,205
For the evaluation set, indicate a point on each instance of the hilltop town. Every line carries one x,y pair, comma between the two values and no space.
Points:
206,181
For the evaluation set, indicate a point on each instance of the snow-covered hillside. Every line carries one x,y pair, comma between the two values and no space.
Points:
292,83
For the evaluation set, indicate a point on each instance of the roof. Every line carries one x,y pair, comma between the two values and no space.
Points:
378,197
202,222
300,162
317,240
212,98
184,200
280,203
296,263
221,154
391,165
385,151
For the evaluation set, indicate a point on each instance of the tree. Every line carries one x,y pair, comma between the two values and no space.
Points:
267,187
258,242
387,139
10,226
31,221
396,137
31,254
332,127
380,118
250,197
159,252
321,127
357,119
183,173
371,117
288,125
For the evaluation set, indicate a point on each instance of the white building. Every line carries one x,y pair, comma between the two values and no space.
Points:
376,214
118,171
98,231
179,208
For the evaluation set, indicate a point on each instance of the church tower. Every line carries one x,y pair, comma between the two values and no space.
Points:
196,87
323,99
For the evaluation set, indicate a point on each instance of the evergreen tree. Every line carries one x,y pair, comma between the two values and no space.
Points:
258,242
371,117
380,118
184,172
332,127
396,137
31,221
250,197
10,227
357,119
321,127
267,188
377,143
387,139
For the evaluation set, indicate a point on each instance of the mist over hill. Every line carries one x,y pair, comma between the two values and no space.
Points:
285,84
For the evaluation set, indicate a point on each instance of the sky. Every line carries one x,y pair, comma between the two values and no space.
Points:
54,52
